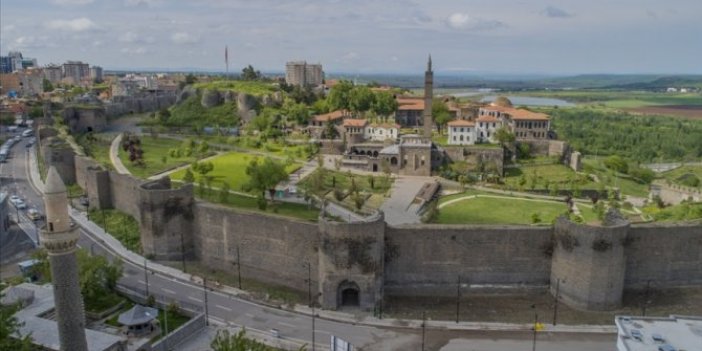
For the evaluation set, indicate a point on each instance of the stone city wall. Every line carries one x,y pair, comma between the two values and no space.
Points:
428,259
273,249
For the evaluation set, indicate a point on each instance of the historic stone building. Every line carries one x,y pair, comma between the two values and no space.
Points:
60,238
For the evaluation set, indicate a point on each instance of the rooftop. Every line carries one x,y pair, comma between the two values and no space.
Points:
138,315
461,123
517,114
354,122
647,333
334,115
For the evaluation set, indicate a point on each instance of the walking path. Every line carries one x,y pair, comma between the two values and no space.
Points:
114,155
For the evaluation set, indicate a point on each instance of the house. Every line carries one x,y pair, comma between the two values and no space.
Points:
382,131
462,132
335,117
409,111
524,124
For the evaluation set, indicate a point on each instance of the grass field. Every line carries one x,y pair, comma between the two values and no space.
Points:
98,148
541,176
121,226
154,151
681,212
231,168
246,87
342,181
486,209
678,174
299,211
626,184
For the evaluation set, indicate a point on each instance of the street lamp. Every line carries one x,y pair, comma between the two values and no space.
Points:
555,298
536,322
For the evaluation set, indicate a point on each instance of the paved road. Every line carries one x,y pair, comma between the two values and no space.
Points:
229,309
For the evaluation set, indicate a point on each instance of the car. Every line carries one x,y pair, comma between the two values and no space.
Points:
666,347
14,199
33,214
27,133
20,205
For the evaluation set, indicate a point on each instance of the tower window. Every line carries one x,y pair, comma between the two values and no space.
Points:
51,226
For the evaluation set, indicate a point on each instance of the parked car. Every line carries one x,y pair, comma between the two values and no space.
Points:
33,214
14,199
20,205
27,133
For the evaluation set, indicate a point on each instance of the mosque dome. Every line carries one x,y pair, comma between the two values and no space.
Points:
502,101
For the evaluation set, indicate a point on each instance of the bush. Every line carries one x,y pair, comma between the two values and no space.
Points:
535,218
617,163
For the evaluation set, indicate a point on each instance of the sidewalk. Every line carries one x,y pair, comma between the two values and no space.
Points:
114,155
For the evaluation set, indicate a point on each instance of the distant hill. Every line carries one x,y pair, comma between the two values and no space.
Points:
687,81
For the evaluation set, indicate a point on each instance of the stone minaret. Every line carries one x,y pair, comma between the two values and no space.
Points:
428,96
60,240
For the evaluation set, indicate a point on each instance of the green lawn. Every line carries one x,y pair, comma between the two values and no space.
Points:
626,184
682,212
103,303
121,226
489,210
342,181
543,176
98,148
679,174
154,151
231,168
247,87
299,211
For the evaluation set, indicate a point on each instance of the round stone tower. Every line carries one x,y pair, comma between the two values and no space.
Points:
588,266
60,240
351,263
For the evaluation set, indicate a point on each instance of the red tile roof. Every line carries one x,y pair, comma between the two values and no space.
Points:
331,116
352,122
461,123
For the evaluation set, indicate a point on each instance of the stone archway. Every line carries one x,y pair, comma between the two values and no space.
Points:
348,295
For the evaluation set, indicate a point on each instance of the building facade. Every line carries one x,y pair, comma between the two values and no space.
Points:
76,71
96,73
524,124
462,132
53,73
303,74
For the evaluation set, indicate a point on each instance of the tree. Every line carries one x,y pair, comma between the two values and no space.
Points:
97,276
384,104
190,79
47,86
224,341
224,192
249,73
338,98
265,175
360,99
10,338
617,164
441,114
163,115
297,112
330,131
504,136
188,177
203,167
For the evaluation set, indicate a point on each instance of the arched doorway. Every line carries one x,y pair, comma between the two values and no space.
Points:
349,295
375,167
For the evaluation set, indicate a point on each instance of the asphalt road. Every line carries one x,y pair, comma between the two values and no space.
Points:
227,309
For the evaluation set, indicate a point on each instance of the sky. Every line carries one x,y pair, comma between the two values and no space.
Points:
554,37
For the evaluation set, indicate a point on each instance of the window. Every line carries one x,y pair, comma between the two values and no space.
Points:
454,138
461,137
461,130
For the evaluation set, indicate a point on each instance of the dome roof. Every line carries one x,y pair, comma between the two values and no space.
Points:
502,101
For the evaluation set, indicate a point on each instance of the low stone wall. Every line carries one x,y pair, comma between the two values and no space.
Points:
190,328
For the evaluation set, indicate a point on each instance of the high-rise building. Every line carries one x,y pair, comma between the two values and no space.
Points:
15,60
96,73
301,73
53,73
76,70
59,239
5,64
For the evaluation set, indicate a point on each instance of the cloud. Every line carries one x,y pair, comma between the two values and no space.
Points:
463,21
555,12
132,37
75,25
134,51
71,2
184,38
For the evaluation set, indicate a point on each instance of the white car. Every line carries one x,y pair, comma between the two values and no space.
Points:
15,198
20,205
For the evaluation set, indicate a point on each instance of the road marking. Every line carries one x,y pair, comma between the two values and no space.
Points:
194,299
322,332
168,290
287,325
224,308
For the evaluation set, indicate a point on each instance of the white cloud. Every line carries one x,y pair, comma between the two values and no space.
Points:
134,51
463,21
184,38
72,2
75,25
132,37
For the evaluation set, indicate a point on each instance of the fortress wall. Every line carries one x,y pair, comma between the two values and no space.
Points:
125,194
273,249
427,259
668,255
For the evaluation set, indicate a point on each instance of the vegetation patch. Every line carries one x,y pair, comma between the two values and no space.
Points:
120,225
255,88
158,156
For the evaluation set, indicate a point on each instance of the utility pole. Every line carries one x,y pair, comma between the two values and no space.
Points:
458,299
309,283
314,346
146,278
238,264
645,302
204,290
555,306
182,250
424,328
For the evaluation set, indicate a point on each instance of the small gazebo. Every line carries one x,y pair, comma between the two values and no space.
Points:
138,319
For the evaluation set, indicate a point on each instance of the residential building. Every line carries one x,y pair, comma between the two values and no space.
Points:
53,73
301,73
409,111
335,117
658,333
29,62
462,132
76,71
96,73
524,124
382,131
487,125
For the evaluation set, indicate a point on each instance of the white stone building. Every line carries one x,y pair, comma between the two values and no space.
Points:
381,131
462,132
